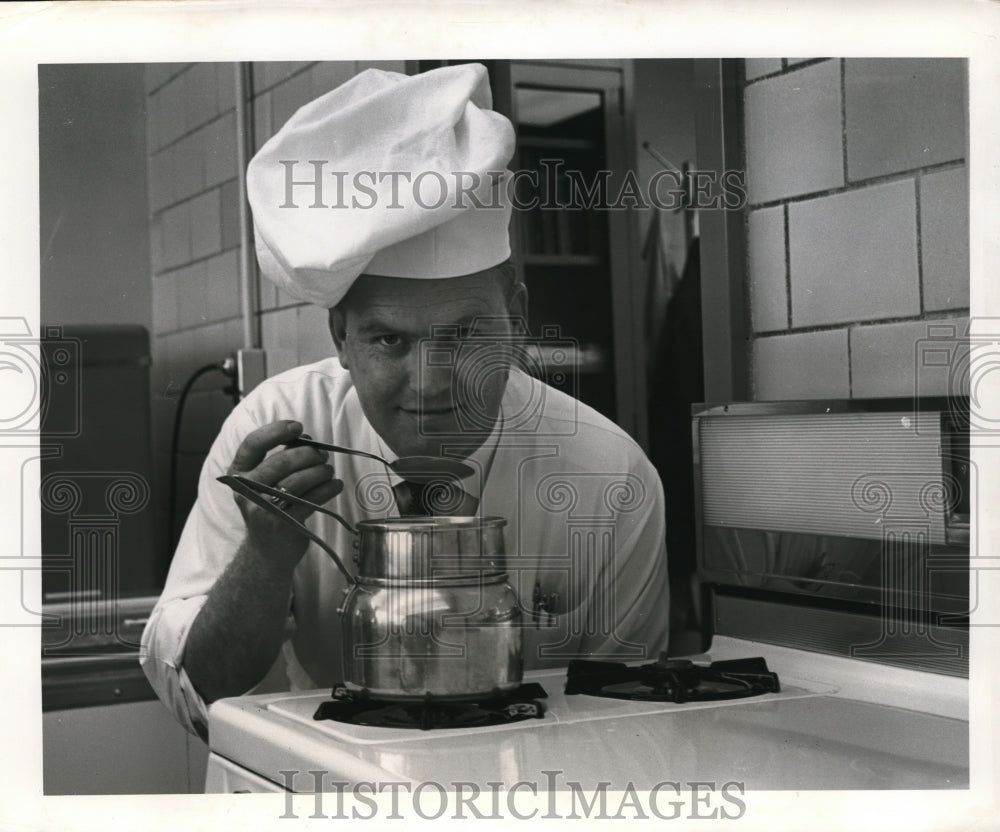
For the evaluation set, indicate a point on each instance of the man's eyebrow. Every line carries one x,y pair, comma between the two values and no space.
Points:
462,325
373,326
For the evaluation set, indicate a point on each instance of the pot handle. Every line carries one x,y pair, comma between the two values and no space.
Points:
281,494
251,490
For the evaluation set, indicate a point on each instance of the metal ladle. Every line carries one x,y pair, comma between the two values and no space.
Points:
418,469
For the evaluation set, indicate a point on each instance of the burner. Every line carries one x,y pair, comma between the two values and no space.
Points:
361,709
672,680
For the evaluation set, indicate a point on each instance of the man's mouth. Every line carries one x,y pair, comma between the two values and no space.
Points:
429,411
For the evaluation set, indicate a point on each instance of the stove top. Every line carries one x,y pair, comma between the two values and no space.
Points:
834,723
562,711
358,709
672,680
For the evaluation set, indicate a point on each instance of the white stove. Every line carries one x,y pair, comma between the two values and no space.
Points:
835,724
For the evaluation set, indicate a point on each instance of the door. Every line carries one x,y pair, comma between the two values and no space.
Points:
570,235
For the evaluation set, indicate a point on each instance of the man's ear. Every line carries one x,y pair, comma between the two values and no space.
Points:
338,331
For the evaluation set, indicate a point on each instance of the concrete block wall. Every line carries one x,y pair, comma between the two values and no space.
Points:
857,224
194,233
280,88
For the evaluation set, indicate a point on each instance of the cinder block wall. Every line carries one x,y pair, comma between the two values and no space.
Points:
857,226
194,234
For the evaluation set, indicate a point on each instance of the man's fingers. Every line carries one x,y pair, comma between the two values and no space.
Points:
286,462
302,481
324,493
256,445
319,495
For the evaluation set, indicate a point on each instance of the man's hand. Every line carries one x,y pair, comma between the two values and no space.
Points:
238,632
302,471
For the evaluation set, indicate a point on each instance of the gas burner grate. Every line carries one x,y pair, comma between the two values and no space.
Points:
361,709
672,680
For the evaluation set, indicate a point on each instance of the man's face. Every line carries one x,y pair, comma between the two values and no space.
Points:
420,395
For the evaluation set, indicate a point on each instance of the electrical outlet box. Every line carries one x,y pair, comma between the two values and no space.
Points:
251,369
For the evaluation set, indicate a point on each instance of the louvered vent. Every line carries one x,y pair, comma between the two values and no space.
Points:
852,474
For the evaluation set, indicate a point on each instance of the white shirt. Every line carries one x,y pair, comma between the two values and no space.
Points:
585,521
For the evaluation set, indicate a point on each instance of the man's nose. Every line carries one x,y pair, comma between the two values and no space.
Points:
431,372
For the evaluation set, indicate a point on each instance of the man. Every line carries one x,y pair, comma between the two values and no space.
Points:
426,316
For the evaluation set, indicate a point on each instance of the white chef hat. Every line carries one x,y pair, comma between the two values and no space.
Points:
388,174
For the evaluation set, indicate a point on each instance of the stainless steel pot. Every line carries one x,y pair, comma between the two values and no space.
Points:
430,613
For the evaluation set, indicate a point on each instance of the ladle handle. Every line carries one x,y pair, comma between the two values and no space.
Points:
242,486
326,446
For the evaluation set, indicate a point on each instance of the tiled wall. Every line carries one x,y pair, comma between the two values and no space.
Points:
857,224
194,233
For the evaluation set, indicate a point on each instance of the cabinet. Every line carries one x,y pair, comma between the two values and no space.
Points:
132,748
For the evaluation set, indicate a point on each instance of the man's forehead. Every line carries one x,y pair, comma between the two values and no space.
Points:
453,298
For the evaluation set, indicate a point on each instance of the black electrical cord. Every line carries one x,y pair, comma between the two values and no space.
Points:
221,367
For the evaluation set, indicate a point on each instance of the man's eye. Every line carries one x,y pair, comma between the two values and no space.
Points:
388,340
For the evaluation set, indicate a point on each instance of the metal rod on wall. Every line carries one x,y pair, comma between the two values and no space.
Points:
248,263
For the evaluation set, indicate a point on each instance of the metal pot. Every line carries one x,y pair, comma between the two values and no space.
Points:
431,612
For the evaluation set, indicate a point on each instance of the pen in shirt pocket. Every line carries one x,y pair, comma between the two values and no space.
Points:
543,606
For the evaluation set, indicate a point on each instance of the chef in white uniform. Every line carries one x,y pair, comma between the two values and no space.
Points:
384,201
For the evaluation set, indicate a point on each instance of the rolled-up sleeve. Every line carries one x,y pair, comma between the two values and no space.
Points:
162,652
212,535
